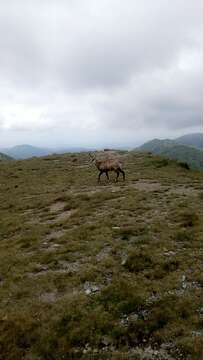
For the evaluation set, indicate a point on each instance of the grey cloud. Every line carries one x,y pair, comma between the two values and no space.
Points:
93,45
102,67
154,102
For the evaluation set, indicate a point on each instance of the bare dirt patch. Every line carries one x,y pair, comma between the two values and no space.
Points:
48,297
183,190
46,246
144,185
57,206
56,234
63,267
63,216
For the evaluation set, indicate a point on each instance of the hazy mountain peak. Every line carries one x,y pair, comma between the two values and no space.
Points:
26,151
195,140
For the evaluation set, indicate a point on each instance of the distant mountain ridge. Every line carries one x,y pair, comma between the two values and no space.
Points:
4,157
26,151
195,140
167,147
175,151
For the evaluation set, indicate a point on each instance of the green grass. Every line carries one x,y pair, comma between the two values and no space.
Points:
100,271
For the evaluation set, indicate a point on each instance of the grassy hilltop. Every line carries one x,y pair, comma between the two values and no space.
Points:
174,151
100,271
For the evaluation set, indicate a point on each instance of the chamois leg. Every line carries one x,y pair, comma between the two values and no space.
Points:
117,172
107,174
101,172
123,173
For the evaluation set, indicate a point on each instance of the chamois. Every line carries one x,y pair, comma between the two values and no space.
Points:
106,165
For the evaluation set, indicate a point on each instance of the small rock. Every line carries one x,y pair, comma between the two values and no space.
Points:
123,262
104,253
184,285
166,346
40,267
153,298
201,310
133,317
124,320
144,314
90,288
106,340
170,253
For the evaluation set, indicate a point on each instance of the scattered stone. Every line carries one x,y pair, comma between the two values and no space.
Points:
70,266
103,254
133,317
184,285
55,235
167,346
189,284
144,314
201,310
152,354
153,298
44,244
106,341
124,260
56,245
41,268
169,253
124,320
50,247
90,288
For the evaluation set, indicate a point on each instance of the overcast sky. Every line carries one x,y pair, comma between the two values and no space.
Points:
93,73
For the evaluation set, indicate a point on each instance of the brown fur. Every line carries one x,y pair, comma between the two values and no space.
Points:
106,165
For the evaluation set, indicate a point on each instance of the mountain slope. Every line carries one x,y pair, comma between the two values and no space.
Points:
195,140
172,150
29,151
26,151
100,271
4,157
